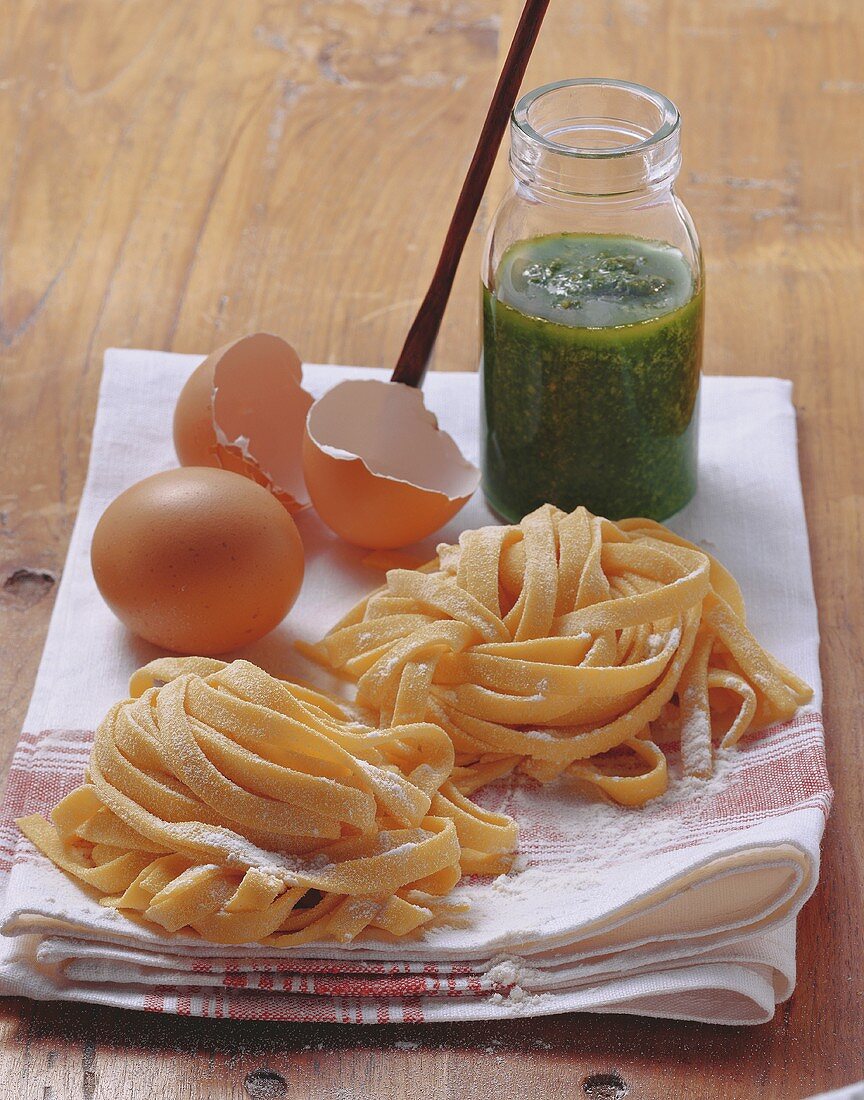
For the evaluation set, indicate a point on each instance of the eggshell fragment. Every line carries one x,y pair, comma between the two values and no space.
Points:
378,468
197,561
244,409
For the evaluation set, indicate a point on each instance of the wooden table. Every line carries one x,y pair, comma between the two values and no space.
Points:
176,174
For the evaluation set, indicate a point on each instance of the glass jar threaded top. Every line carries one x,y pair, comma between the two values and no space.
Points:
594,137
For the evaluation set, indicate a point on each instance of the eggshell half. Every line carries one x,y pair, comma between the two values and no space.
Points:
244,409
379,470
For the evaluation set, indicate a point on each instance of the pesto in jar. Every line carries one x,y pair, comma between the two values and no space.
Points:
592,348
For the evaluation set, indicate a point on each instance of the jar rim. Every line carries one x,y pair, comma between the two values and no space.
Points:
670,118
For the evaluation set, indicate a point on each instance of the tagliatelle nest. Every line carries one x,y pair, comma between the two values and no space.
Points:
246,808
566,643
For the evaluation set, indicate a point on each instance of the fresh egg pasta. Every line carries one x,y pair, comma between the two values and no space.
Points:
566,644
221,801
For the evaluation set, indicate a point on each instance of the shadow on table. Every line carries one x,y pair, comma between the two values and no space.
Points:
585,1034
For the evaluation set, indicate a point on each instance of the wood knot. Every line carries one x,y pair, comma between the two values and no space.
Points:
605,1086
265,1084
25,587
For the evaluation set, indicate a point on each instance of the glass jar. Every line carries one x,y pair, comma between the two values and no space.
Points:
592,309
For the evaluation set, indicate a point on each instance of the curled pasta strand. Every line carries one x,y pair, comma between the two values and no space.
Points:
695,712
629,790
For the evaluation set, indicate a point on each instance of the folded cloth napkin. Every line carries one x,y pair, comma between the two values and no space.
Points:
685,908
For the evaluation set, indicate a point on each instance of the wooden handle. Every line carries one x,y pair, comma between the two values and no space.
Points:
414,357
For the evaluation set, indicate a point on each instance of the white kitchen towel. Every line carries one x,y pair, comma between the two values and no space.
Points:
851,1092
685,908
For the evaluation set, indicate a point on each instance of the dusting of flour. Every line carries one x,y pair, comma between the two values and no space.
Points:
579,855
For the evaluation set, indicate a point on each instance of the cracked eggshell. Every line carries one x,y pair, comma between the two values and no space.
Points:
244,409
379,470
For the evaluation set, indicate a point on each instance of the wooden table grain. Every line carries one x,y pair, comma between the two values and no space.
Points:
175,174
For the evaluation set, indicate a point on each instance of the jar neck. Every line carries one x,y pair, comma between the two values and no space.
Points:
595,140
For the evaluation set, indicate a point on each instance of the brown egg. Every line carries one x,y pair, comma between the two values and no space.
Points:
244,409
379,470
197,561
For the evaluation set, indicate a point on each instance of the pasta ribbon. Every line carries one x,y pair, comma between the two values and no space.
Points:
222,801
566,644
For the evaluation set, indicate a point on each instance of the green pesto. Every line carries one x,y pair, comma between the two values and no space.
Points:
592,348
